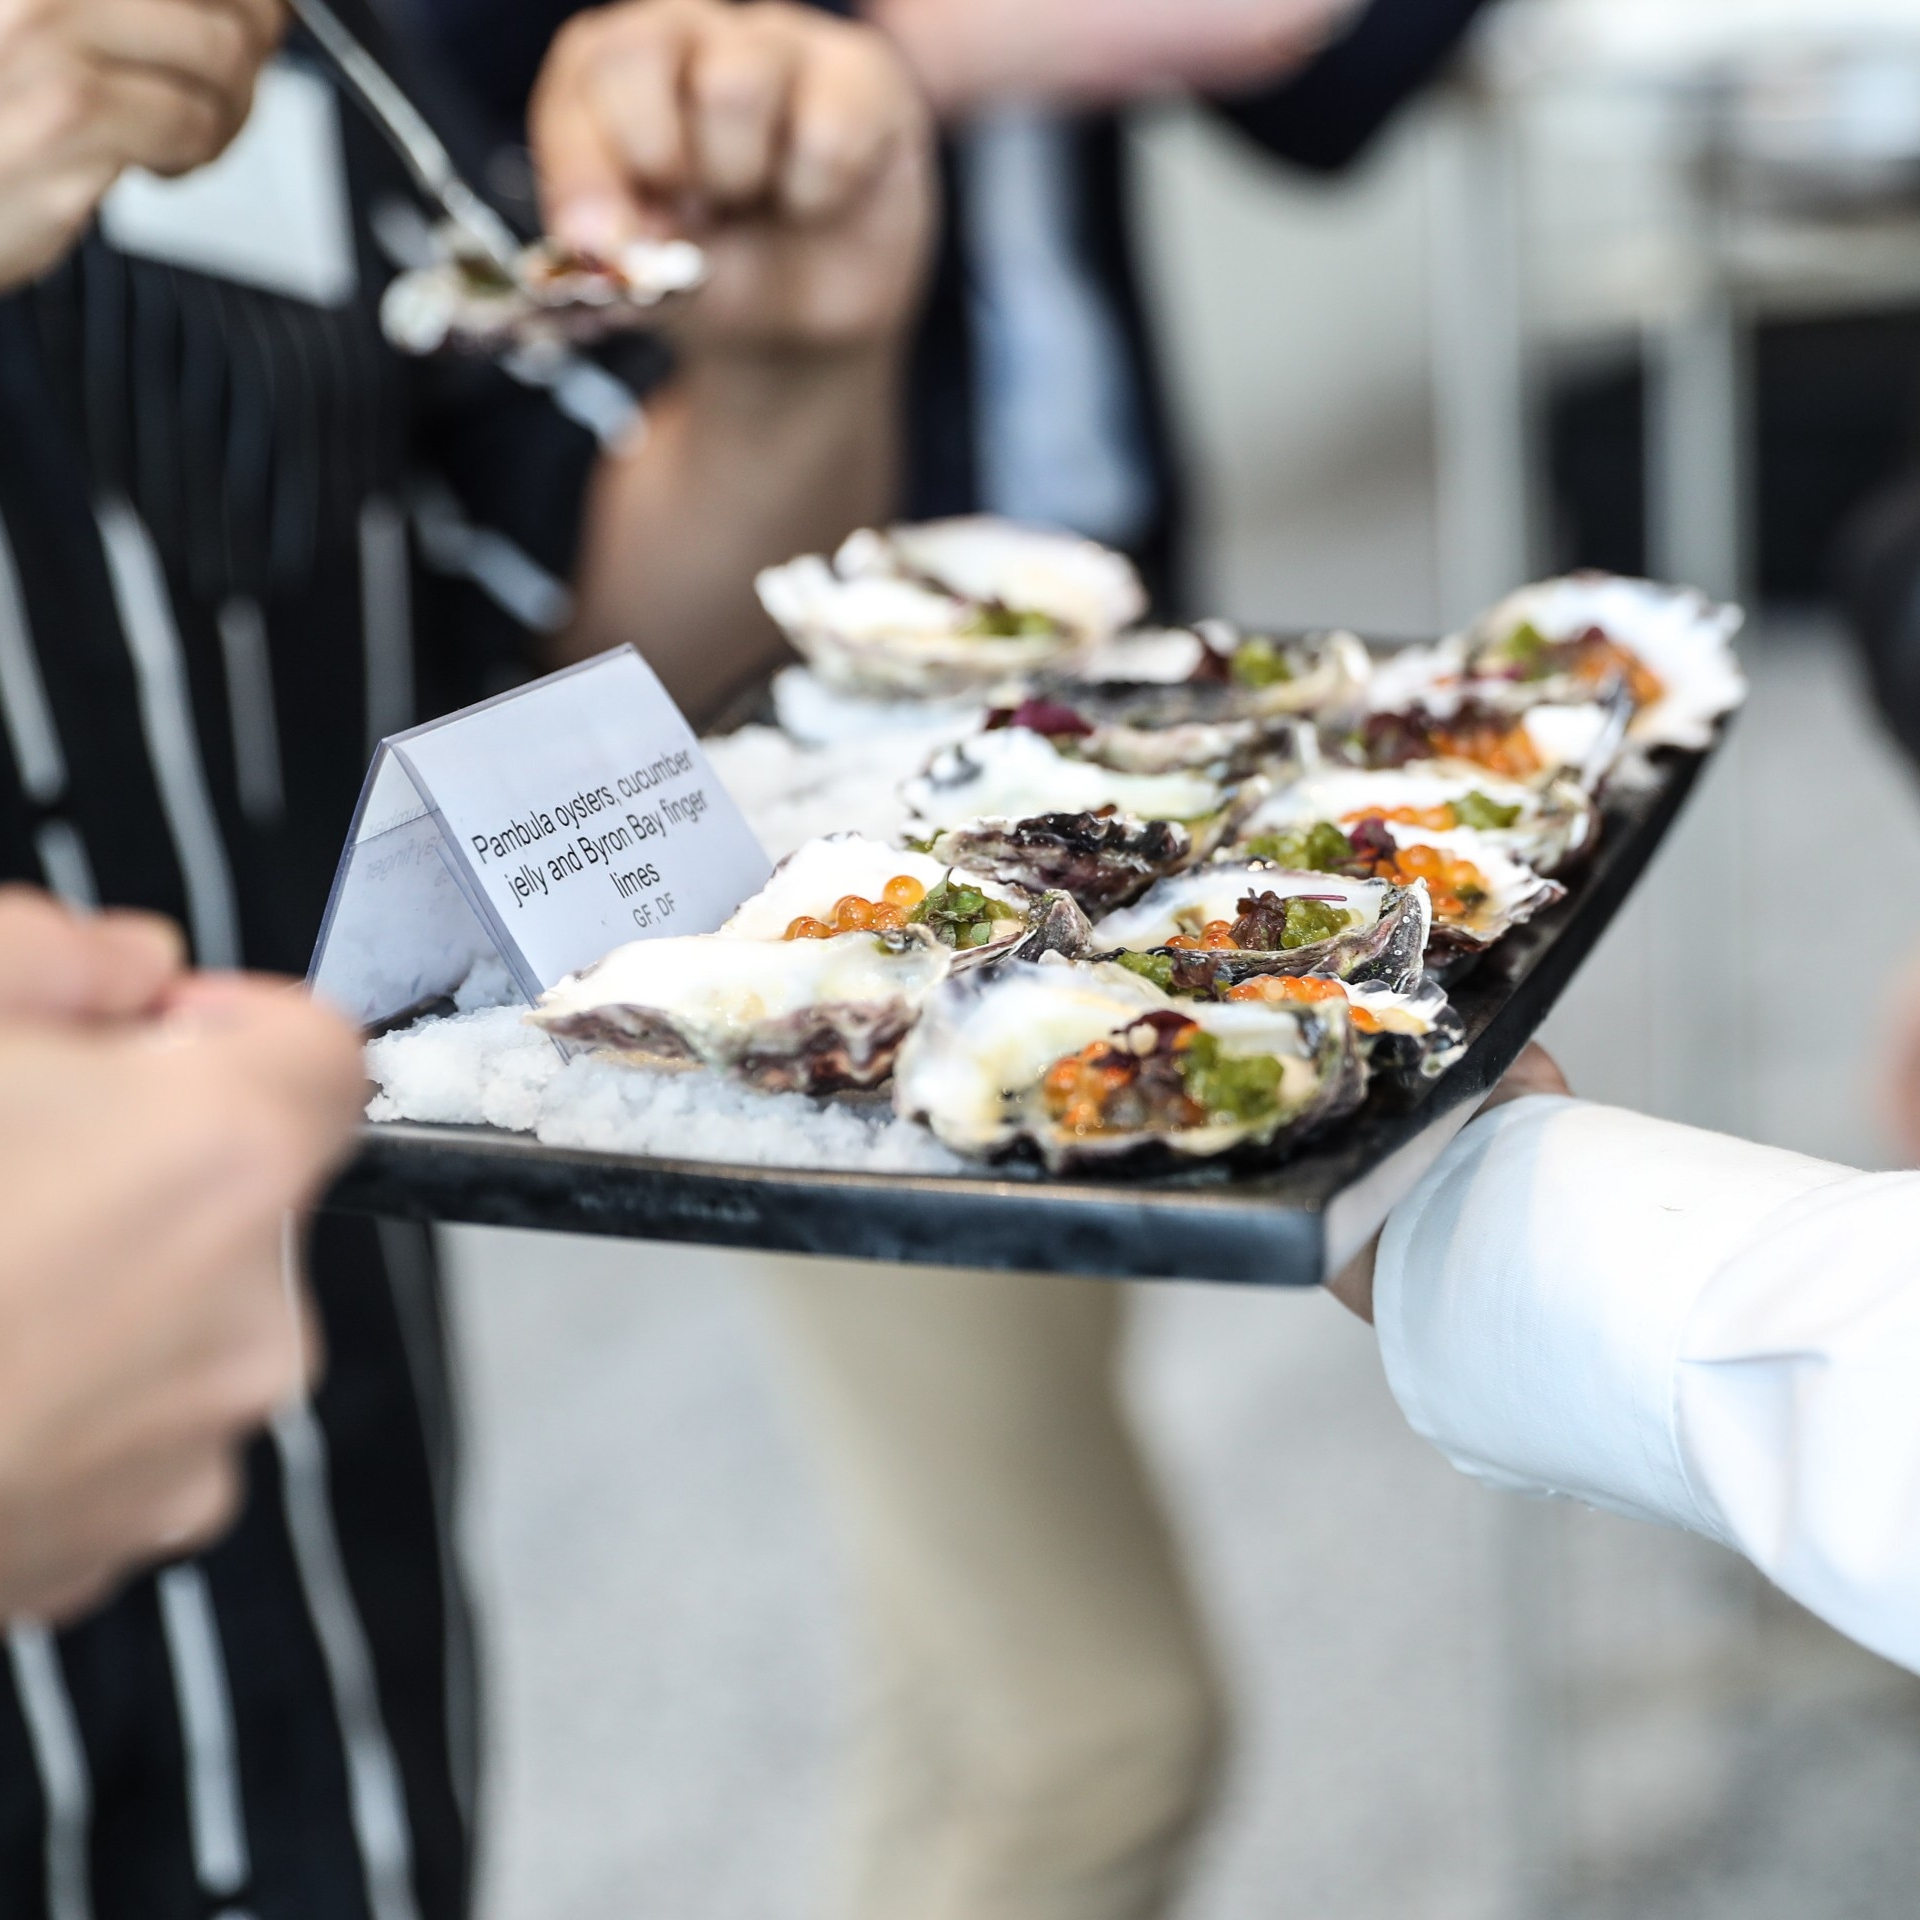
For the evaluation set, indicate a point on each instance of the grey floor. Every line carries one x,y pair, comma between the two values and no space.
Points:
1452,1705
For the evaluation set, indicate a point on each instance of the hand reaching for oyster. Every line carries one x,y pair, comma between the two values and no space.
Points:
772,159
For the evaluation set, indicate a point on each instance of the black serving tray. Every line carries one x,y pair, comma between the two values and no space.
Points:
1287,1227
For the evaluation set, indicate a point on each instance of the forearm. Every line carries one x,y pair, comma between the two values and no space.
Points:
1679,1326
745,463
1084,54
1326,114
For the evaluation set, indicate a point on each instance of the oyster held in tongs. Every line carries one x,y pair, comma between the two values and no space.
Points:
1530,685
554,297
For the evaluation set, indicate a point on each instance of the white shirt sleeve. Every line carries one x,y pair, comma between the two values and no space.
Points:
1678,1326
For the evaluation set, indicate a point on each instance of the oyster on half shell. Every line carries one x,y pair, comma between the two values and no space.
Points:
800,1016
1211,928
1324,675
1562,640
1480,892
1131,737
1415,1034
1541,667
845,883
950,605
1090,1063
1546,827
1014,773
1100,860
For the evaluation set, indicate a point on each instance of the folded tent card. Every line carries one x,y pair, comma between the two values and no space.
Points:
543,827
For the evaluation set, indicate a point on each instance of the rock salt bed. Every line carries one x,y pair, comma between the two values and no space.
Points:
792,794
818,715
484,1066
491,1069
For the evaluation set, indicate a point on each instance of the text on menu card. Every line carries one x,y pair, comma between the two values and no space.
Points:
545,826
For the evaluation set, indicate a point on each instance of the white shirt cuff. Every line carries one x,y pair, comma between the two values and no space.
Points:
1533,1292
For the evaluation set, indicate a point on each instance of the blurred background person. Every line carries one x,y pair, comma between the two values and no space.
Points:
1445,1699
1042,1719
240,541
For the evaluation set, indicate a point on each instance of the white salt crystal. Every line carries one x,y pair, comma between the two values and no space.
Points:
471,1069
492,1069
484,1066
792,794
822,716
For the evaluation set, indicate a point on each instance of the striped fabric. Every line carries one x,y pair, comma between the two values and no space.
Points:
239,542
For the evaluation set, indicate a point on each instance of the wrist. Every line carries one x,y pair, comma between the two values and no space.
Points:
750,380
939,59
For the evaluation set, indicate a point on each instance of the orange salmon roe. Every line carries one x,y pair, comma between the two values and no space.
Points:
1457,886
1078,1087
1215,937
1604,660
855,913
1436,819
1278,988
1504,750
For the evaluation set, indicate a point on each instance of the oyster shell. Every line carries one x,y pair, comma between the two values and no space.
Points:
1541,742
1188,1080
964,912
1549,826
1415,1034
1229,747
801,1016
1322,674
1100,860
1559,640
1533,676
1013,773
1277,922
1479,891
950,605
1470,911
460,298
811,879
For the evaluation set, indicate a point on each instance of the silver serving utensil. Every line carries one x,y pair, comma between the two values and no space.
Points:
1619,716
422,149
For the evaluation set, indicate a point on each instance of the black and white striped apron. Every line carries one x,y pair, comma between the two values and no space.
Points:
239,542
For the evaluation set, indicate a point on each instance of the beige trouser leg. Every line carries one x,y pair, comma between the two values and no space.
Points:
1044,1718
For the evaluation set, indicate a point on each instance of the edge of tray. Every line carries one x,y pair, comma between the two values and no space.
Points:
1285,1227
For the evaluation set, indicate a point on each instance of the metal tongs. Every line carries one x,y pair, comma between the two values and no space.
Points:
1619,711
422,149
